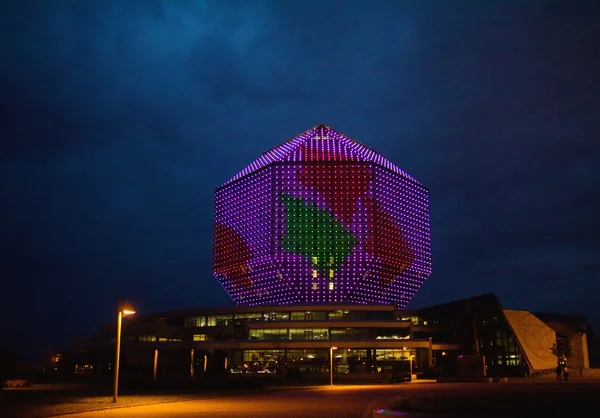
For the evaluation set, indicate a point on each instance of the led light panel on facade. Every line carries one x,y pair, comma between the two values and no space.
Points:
321,219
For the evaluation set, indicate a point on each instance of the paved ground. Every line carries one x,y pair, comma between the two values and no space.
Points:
295,403
533,398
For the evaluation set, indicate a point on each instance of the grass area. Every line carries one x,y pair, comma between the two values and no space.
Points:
48,404
499,402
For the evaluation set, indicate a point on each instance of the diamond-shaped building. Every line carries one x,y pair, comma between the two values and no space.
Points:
321,219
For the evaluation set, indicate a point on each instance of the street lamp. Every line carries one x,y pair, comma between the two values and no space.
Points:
124,309
331,365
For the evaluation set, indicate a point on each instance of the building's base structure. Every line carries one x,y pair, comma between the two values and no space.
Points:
288,341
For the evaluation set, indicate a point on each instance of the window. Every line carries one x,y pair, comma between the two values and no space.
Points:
219,320
343,334
413,319
199,337
268,334
300,334
330,285
338,315
393,355
276,316
244,318
195,321
314,286
263,355
309,316
310,356
147,338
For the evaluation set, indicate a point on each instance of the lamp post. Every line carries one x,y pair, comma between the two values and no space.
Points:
124,309
331,365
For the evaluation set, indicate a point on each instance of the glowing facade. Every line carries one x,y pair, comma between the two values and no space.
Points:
321,219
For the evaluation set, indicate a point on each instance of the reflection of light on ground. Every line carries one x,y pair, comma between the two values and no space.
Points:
350,388
343,399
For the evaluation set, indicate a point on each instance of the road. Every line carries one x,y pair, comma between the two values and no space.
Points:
336,402
349,401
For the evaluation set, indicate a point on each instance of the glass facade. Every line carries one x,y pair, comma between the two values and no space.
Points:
309,316
219,320
269,334
251,316
479,326
195,321
347,360
314,315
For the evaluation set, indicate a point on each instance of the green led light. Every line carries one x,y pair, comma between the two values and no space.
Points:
308,232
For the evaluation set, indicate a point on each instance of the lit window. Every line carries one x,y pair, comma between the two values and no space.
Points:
331,274
314,286
330,285
315,274
199,337
315,260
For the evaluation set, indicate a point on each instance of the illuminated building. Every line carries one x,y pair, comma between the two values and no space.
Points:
321,243
321,219
371,340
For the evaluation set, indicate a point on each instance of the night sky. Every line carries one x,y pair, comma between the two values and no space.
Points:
118,119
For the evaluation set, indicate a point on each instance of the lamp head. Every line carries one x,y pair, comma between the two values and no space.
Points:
125,308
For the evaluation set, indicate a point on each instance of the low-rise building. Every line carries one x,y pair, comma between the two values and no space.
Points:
300,338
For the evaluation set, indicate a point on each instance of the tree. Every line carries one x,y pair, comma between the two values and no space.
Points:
561,349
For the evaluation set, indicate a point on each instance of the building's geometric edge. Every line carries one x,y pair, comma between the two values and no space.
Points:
279,152
233,181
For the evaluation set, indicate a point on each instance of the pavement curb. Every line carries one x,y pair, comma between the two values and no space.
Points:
386,412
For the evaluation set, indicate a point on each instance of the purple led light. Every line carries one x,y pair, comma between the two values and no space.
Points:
359,233
290,151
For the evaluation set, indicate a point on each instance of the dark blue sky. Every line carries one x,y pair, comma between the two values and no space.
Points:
119,118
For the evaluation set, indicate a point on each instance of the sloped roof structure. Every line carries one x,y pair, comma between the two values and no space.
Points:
320,143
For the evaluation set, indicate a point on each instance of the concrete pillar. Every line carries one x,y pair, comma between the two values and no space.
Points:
586,354
430,353
192,363
155,363
579,355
